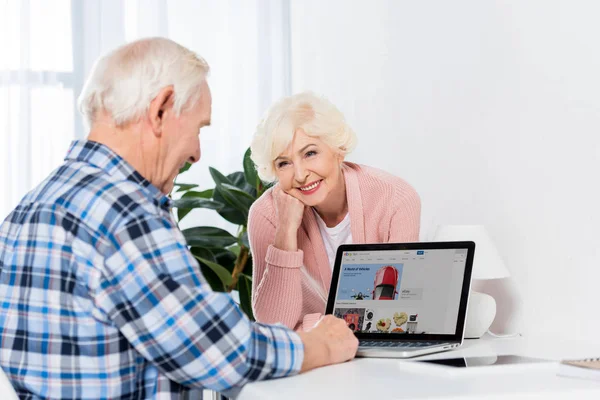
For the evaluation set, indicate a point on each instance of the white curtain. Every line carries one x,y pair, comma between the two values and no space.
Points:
48,48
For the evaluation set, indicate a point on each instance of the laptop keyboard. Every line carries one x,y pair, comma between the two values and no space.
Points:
386,343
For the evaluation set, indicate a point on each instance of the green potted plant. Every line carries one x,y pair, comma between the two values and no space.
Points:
225,260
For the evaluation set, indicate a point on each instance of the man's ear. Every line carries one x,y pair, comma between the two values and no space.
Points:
159,106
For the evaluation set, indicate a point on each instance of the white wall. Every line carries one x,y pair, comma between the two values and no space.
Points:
492,111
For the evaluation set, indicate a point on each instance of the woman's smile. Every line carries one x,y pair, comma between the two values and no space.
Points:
311,187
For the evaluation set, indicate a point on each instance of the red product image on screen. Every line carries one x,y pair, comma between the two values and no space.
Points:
352,321
384,286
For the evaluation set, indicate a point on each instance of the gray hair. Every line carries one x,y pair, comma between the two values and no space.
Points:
314,114
126,80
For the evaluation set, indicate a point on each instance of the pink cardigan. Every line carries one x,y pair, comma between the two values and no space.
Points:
292,287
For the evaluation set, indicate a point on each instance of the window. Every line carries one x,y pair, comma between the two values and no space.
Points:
49,47
37,84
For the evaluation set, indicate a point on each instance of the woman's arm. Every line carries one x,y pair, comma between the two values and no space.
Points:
276,275
406,219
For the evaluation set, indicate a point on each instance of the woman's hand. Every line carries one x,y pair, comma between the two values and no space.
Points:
289,211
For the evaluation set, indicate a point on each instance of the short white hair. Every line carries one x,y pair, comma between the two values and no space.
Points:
314,114
124,82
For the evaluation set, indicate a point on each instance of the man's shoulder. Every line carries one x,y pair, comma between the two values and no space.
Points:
93,197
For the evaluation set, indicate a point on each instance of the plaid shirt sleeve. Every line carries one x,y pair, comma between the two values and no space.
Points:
152,289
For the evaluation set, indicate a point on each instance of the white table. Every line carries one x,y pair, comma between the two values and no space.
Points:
370,378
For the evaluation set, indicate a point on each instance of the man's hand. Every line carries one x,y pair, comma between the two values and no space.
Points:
329,342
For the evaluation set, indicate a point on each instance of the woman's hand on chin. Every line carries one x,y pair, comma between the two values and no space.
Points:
289,211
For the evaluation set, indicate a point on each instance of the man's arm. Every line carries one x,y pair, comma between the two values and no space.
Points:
153,291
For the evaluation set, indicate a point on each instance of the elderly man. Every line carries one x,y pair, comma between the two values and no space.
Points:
100,296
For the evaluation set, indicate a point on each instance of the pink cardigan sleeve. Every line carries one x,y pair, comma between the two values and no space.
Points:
276,275
406,219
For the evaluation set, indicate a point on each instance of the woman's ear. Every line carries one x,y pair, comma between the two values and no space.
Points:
159,107
341,156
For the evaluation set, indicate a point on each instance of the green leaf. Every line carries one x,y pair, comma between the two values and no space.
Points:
244,286
208,237
248,267
221,271
211,277
244,196
205,194
184,208
238,179
228,212
263,187
235,249
225,258
182,187
234,197
189,203
250,170
219,177
181,213
185,168
244,239
231,214
203,252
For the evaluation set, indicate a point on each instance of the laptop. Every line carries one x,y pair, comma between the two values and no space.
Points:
403,299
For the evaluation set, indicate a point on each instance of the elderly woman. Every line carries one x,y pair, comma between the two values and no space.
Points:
319,202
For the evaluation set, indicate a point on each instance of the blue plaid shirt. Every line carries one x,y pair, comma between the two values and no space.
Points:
101,298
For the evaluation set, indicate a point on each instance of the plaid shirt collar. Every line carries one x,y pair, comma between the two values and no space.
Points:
103,157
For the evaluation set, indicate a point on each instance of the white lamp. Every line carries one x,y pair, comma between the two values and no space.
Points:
487,264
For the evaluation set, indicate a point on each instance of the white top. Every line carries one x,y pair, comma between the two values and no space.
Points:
334,237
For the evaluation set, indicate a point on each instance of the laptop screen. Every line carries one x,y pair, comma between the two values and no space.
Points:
409,291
